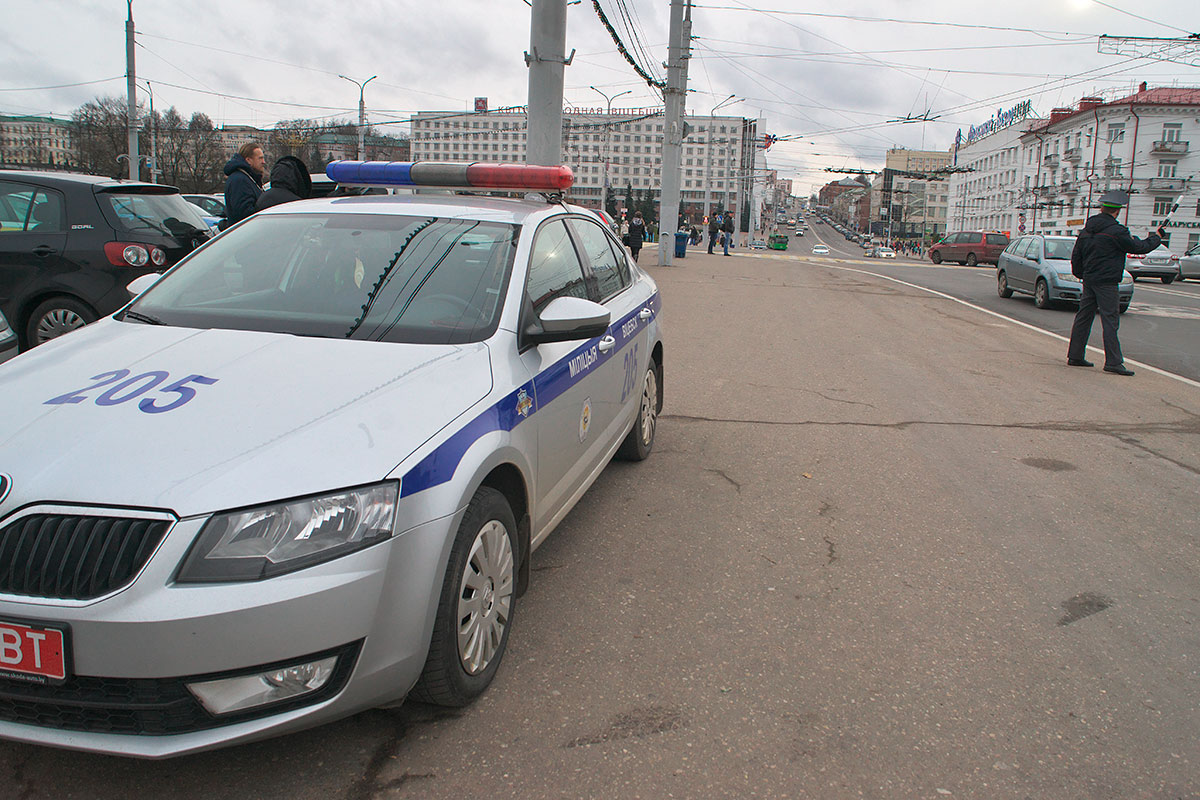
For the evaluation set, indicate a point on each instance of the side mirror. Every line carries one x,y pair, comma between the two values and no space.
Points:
567,319
141,283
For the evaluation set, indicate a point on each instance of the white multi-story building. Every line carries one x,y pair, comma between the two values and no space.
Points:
988,193
1140,143
37,142
717,156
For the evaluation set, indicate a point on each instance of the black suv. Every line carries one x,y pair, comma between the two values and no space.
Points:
69,245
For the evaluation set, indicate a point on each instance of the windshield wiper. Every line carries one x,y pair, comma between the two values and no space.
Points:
139,317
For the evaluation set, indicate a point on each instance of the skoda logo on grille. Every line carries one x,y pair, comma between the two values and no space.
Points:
5,485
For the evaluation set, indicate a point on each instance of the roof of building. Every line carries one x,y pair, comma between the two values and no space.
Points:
1160,95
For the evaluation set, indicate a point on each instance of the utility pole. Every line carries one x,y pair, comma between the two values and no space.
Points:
546,60
131,99
607,143
362,112
675,93
153,163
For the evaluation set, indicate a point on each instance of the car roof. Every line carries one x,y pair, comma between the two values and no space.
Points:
507,210
55,177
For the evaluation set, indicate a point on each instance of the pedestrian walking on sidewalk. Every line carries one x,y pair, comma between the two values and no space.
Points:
1099,261
637,235
714,226
727,228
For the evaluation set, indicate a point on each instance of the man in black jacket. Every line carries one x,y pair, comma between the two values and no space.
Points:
243,183
289,181
1099,261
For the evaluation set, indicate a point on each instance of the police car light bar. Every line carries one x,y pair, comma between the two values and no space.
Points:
474,175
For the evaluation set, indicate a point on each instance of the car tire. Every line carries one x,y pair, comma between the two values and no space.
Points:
640,440
54,317
1002,285
1041,294
935,257
971,260
1168,278
1123,307
480,587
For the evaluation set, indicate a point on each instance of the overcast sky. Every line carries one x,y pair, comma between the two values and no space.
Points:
831,83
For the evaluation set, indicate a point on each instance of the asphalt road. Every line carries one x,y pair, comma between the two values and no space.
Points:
887,545
1161,328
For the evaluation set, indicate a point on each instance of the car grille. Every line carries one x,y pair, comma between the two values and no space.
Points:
74,557
149,706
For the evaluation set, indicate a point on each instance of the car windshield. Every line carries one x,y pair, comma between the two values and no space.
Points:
1059,249
141,212
368,277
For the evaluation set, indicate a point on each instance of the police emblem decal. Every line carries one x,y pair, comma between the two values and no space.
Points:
524,403
5,485
585,418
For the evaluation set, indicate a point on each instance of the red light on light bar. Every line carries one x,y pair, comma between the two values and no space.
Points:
520,176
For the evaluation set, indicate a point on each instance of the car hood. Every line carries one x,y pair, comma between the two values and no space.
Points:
287,416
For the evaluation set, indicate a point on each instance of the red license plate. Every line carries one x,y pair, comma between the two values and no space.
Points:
34,654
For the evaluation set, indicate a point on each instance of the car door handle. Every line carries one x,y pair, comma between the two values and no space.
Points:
645,314
42,251
607,343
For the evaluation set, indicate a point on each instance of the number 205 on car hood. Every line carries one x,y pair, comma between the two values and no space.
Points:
196,420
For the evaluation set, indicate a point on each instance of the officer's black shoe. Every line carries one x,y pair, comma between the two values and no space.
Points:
1119,369
1079,362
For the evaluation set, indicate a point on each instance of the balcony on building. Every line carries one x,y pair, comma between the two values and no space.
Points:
1169,147
1051,161
1073,154
1069,187
1167,185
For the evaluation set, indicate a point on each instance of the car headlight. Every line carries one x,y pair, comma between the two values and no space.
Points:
1066,276
256,543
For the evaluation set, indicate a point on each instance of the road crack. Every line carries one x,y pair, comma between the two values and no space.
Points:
724,475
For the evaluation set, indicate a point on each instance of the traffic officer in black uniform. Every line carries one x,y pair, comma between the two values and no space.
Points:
1099,260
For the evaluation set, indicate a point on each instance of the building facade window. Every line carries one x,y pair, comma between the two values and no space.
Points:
1116,132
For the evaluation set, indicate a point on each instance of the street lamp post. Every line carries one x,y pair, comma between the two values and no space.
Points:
362,111
607,139
708,157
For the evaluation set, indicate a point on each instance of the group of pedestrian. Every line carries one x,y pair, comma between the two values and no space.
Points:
720,227
245,174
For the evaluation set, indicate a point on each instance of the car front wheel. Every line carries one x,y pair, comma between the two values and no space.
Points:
1168,278
475,609
640,441
1002,285
971,260
1041,294
54,317
935,257
1124,307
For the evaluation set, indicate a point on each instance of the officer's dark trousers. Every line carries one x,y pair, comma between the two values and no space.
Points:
1102,299
712,240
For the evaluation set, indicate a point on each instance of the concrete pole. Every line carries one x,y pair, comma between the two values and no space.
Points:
131,96
362,112
607,143
679,50
154,172
546,60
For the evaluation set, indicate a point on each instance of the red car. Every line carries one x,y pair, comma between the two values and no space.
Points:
970,248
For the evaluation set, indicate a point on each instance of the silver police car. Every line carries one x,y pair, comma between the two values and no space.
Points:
303,473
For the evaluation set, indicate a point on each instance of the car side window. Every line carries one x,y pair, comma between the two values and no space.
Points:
952,238
1033,250
554,268
1014,246
611,273
997,238
46,214
15,200
971,238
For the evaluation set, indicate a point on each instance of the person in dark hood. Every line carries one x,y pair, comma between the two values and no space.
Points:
243,183
1098,260
289,181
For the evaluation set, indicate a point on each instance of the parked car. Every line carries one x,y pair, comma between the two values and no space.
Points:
1041,266
1189,265
969,247
8,340
303,473
758,244
69,245
210,204
1159,263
